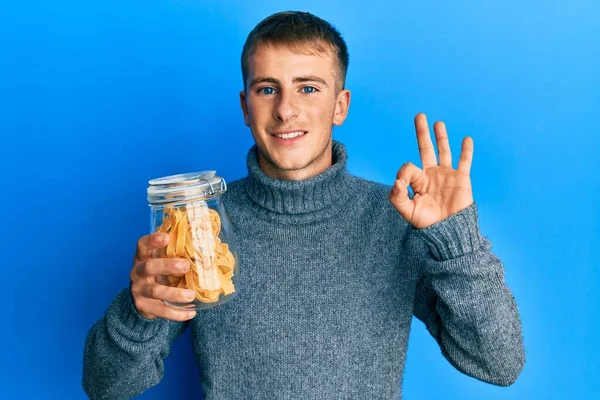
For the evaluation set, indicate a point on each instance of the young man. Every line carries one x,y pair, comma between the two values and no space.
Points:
333,266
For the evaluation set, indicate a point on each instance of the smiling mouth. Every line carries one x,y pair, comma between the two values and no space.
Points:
289,135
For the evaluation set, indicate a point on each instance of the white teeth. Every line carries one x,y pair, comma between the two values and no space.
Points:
290,135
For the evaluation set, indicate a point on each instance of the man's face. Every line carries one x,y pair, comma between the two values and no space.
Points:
291,105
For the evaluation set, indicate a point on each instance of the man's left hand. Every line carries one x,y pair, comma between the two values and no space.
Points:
439,190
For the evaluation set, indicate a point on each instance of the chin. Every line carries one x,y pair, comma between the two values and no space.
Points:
291,165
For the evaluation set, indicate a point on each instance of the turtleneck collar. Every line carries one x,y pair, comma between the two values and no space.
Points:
301,201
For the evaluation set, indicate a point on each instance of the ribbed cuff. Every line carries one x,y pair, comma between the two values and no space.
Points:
128,321
454,236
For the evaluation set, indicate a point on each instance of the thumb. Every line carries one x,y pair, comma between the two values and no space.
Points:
400,199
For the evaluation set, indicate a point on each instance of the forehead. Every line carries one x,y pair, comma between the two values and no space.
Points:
286,62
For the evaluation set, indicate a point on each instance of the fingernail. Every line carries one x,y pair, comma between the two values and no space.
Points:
182,265
403,182
190,295
395,190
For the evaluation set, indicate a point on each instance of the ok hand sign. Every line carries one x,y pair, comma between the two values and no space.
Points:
440,191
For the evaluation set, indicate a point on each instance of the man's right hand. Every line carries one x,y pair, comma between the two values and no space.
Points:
148,294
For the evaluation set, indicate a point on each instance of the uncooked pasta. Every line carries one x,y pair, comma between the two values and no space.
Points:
194,235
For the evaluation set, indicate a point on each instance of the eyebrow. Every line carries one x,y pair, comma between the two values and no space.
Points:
297,79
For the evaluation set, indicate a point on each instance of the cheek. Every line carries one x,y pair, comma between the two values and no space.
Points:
258,112
251,107
323,113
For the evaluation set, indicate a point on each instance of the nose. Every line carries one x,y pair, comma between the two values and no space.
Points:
285,108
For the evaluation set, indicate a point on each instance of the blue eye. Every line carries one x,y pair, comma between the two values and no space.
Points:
309,89
266,90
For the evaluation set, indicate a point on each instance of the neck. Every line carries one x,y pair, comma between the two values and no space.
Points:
286,200
320,164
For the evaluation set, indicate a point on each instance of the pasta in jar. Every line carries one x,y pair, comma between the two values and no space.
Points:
188,208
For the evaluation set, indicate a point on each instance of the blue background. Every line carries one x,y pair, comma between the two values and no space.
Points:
98,97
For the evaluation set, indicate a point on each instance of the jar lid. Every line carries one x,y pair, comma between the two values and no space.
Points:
184,187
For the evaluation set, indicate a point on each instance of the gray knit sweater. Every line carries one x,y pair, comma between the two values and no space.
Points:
331,276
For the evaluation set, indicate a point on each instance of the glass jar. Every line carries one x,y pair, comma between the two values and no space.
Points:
189,209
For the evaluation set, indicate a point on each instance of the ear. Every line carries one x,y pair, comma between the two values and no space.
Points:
341,107
244,107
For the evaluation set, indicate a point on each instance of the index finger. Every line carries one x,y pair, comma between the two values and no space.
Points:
148,243
426,150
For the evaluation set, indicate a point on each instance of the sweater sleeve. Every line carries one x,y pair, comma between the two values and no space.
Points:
464,302
124,351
